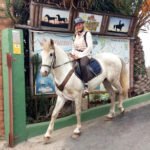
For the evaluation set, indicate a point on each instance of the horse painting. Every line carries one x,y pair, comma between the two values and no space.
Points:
119,26
114,76
49,18
61,19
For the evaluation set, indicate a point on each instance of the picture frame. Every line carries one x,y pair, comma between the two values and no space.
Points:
119,25
93,21
52,18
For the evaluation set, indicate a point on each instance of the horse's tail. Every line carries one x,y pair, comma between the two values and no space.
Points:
124,79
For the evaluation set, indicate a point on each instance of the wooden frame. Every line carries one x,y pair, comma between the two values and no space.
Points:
34,14
50,17
54,19
93,21
119,25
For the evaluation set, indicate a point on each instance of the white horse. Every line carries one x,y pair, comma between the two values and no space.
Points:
114,76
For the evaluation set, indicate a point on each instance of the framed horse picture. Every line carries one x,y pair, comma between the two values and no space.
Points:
52,18
119,25
93,21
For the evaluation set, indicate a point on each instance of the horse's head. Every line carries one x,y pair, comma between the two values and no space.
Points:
123,24
48,56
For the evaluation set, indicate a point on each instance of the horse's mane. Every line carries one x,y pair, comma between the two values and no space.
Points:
59,49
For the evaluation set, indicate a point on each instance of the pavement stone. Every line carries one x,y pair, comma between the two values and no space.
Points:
125,132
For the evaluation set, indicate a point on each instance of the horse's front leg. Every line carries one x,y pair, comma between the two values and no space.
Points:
77,130
59,104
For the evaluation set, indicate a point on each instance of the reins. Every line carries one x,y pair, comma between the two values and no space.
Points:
46,66
59,65
64,63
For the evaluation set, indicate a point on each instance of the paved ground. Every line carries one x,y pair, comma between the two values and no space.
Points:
128,132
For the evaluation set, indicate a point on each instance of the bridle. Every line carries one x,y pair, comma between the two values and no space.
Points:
48,66
53,61
53,65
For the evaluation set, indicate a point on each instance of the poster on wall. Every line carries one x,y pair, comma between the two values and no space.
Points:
45,85
118,46
92,21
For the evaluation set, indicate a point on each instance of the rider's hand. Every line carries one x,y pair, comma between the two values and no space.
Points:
73,56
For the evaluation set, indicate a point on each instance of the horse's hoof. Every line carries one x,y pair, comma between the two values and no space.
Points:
76,135
47,140
122,111
109,117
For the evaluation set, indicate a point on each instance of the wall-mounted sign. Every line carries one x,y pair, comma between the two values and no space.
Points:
120,25
93,22
16,42
54,18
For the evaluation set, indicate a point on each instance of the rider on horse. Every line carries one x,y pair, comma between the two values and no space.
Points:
82,47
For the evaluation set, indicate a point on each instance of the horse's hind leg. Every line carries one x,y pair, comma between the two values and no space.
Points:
59,104
118,86
110,90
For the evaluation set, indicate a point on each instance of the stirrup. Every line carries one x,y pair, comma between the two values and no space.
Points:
85,92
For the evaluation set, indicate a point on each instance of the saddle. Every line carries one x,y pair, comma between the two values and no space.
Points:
94,69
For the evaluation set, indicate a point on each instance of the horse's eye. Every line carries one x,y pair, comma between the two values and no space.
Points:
51,54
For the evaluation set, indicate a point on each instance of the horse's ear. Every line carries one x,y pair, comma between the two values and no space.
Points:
41,43
51,42
44,40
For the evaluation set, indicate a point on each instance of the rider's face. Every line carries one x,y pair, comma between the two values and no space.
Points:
79,27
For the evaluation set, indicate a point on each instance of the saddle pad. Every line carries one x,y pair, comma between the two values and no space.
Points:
94,69
95,66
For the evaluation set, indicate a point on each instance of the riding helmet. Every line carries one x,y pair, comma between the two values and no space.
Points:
78,20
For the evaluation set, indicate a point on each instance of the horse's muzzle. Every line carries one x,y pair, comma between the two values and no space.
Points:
44,74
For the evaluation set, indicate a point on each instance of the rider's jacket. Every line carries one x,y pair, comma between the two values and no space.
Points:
82,47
